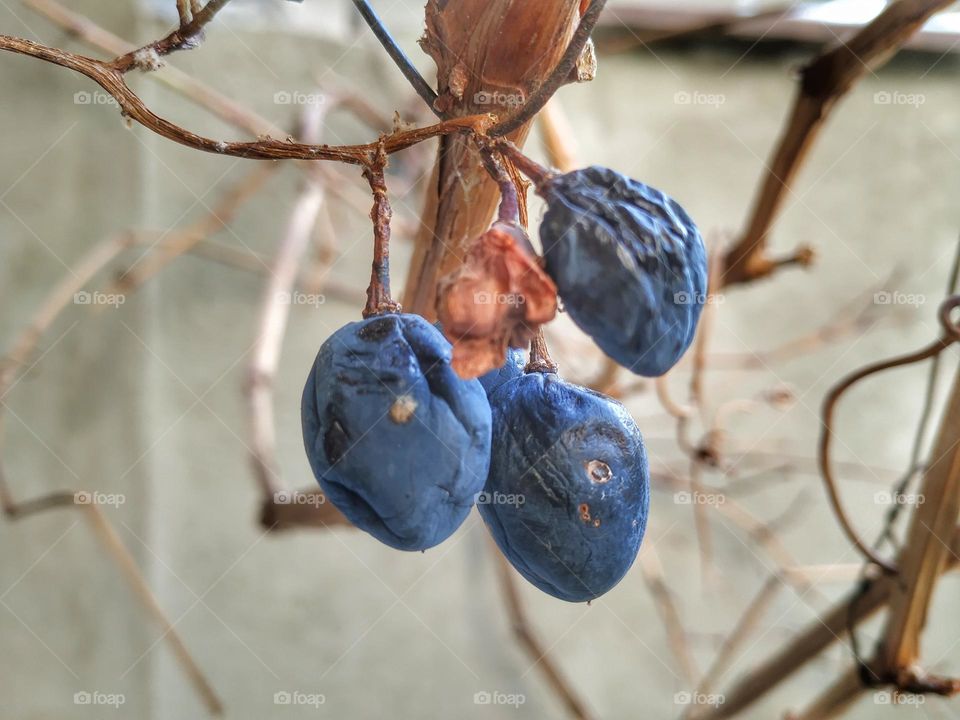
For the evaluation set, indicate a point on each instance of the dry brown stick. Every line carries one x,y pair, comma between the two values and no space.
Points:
187,36
950,335
112,81
114,546
800,578
821,634
679,643
274,313
927,547
823,82
184,11
202,95
109,538
184,240
531,643
835,700
59,299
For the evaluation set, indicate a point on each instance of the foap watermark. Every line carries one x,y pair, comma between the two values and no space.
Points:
698,498
685,97
85,497
886,497
698,698
298,98
94,98
301,298
499,498
500,99
101,699
489,298
886,697
886,97
692,298
301,699
99,298
291,497
885,297
496,697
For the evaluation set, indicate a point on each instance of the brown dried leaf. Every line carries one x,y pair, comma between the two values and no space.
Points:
497,299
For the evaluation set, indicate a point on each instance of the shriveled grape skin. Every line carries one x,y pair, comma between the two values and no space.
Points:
399,443
629,264
512,368
578,461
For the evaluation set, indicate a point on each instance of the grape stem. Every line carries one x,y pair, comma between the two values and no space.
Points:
379,301
540,360
509,211
529,167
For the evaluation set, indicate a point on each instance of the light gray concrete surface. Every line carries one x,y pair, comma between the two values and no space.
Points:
145,400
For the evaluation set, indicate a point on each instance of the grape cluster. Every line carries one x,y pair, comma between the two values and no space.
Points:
404,446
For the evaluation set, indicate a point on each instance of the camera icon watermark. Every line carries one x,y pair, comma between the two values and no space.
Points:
301,298
501,99
94,98
698,698
886,697
301,699
898,298
99,298
296,97
291,497
695,97
499,498
84,697
685,497
495,697
84,497
489,298
885,497
886,97
691,298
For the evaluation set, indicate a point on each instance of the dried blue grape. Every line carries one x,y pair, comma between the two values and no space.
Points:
629,264
512,368
399,443
568,491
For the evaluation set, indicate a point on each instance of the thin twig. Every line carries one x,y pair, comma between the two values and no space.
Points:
111,80
185,37
398,56
823,82
827,414
531,643
184,240
275,311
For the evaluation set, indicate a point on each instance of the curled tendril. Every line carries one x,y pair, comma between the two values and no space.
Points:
951,335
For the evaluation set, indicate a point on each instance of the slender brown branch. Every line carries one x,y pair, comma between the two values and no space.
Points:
823,82
827,416
186,37
184,240
275,311
111,80
677,638
184,11
521,627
